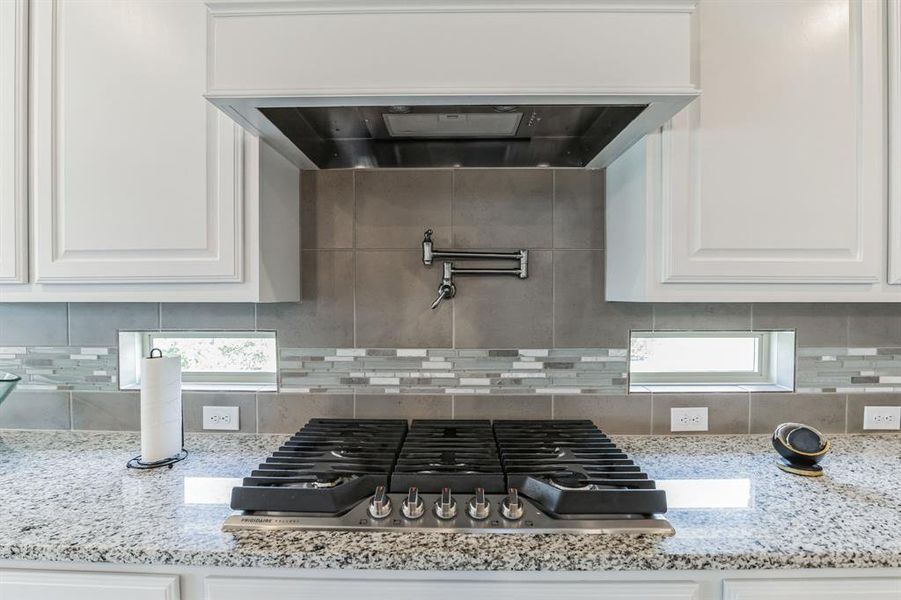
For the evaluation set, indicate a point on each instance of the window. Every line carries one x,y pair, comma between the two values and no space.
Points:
220,360
714,361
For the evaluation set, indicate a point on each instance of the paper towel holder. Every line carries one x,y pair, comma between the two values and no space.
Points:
137,463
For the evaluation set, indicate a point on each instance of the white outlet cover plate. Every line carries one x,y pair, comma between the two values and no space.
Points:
886,418
688,419
221,418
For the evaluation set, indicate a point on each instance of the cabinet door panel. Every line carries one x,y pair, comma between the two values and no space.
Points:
775,174
453,588
136,177
813,589
13,144
60,585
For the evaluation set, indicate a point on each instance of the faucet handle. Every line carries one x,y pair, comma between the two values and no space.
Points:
445,291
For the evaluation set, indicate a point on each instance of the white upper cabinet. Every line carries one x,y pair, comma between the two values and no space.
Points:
134,172
140,189
13,141
772,185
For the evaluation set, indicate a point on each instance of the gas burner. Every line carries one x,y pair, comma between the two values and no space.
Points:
569,482
516,476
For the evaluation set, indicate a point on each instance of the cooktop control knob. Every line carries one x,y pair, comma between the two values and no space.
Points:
478,507
412,507
446,506
511,506
380,505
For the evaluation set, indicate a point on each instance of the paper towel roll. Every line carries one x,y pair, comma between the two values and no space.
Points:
161,424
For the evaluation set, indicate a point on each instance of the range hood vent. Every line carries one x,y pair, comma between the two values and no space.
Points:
452,125
451,136
444,83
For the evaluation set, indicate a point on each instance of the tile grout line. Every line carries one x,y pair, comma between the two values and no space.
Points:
453,304
353,244
749,413
847,400
68,324
553,268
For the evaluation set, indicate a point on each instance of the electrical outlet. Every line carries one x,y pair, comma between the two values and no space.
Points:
882,417
221,417
688,419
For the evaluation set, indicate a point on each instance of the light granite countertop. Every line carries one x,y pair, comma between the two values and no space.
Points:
68,497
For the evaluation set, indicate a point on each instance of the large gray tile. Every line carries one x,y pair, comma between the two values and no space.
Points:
287,413
98,323
327,209
506,312
582,318
579,209
825,412
193,403
822,325
503,208
876,324
324,318
726,413
395,207
502,407
403,407
613,414
33,324
106,411
702,316
394,292
35,410
186,315
856,404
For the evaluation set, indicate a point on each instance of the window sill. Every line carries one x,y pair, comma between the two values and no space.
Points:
706,389
217,387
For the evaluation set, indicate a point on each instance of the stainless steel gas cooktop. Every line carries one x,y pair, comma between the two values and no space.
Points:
450,476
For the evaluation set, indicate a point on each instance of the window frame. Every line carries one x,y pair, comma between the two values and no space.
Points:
775,367
134,345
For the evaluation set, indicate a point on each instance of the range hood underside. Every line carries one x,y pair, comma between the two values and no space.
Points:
335,137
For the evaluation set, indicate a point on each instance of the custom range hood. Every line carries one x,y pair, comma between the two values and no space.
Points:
429,83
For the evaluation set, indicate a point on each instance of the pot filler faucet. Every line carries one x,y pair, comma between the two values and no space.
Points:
447,289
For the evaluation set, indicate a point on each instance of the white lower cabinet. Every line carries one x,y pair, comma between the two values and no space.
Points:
813,589
55,585
226,588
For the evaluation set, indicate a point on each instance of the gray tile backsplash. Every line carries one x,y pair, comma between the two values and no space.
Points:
106,411
34,324
324,318
366,295
503,208
98,323
207,316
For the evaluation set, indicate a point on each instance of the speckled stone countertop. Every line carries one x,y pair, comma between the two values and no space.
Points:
68,497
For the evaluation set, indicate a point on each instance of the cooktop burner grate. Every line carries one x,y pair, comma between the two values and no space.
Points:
522,476
460,455
327,467
572,468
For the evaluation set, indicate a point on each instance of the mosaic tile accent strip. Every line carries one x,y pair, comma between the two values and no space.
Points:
62,367
849,370
454,371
